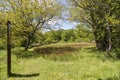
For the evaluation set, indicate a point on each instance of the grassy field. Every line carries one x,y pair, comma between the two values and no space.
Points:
60,62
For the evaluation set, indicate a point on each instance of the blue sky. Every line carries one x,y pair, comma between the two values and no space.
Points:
64,23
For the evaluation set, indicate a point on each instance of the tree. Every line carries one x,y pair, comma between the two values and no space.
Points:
114,20
83,33
68,35
96,14
3,29
30,16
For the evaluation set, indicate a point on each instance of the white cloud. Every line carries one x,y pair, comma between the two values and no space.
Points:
52,21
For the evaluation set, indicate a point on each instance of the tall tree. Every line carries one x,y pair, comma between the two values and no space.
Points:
30,16
96,14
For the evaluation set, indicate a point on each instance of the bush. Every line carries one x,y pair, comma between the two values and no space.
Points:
23,43
2,44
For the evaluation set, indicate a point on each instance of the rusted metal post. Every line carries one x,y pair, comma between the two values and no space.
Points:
8,48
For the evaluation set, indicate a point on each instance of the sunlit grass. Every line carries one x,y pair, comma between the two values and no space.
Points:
82,64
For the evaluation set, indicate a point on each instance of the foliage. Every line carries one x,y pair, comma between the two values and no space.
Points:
2,44
79,34
29,17
84,33
101,16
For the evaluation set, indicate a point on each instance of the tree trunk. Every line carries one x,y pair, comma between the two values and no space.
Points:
27,43
29,39
108,49
96,41
100,42
110,38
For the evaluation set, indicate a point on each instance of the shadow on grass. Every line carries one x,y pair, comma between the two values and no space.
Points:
113,55
54,50
98,54
25,54
61,53
91,49
42,51
110,78
24,75
113,78
117,53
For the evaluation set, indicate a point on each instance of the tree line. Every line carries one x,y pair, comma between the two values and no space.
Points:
98,19
76,35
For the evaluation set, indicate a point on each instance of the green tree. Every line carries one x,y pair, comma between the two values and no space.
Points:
53,36
2,30
83,33
68,35
96,14
30,16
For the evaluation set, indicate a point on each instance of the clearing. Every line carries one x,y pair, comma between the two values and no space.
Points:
60,62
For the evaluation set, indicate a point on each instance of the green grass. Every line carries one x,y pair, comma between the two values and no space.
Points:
84,63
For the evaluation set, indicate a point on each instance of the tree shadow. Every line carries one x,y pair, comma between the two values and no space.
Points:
117,53
110,78
24,75
114,78
96,53
103,55
55,53
25,54
44,51
59,53
91,49
54,50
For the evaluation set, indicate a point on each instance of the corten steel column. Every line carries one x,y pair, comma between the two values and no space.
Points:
8,48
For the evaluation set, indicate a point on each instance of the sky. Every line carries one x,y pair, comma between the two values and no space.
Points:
64,23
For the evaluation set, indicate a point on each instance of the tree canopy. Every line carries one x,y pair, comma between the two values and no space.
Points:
101,15
29,16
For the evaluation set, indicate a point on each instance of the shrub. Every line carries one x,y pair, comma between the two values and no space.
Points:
2,45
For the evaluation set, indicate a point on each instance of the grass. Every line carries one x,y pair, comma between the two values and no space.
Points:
82,63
